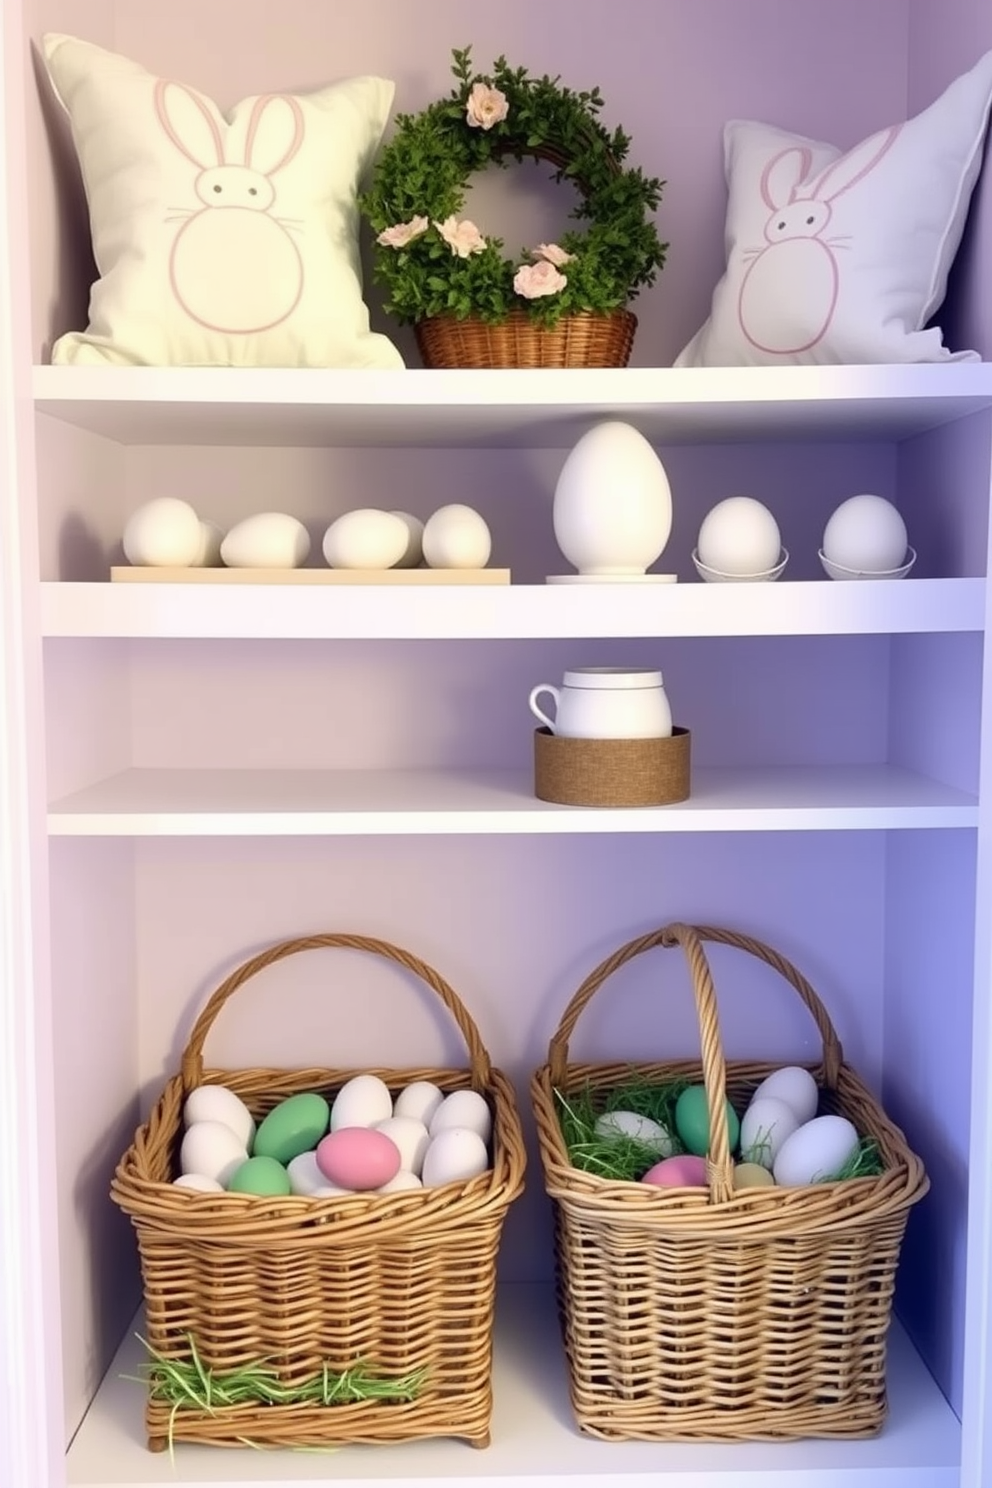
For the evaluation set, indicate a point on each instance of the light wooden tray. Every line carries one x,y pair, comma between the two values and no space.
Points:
128,575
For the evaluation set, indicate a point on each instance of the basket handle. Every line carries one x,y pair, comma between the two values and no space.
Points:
691,938
192,1059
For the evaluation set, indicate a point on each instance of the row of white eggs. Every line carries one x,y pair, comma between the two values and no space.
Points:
430,1140
168,533
740,538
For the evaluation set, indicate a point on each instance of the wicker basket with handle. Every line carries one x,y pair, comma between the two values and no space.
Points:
402,1283
711,1314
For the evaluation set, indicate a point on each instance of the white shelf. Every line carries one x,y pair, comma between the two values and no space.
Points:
310,803
534,1437
252,612
298,406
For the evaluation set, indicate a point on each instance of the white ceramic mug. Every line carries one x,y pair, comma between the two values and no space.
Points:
606,703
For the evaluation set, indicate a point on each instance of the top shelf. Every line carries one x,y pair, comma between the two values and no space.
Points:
323,407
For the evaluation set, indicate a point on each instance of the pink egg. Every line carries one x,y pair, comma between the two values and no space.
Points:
358,1158
685,1171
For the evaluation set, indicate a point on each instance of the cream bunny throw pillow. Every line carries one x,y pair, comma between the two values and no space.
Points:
844,258
220,241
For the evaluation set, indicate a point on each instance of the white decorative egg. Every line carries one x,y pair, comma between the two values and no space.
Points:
367,539
414,540
866,534
164,533
332,1191
403,1182
410,1137
362,1101
419,1100
198,1183
765,1126
613,503
217,1103
454,1156
267,540
793,1085
466,1110
208,554
456,537
212,1150
638,1128
739,536
305,1178
816,1152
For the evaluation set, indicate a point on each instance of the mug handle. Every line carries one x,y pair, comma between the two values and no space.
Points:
532,702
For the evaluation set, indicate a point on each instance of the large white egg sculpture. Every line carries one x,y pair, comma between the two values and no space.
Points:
613,503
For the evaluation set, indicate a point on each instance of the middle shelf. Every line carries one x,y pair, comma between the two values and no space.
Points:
520,611
314,803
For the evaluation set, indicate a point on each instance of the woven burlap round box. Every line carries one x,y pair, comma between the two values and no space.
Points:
403,1283
710,1314
612,772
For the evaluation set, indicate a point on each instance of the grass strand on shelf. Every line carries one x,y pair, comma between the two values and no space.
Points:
192,1385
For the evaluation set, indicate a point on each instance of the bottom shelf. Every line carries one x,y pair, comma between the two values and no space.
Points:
534,1436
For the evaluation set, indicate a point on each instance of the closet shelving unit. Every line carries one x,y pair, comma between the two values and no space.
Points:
187,772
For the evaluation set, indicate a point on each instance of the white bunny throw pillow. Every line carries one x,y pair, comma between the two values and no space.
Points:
220,241
844,258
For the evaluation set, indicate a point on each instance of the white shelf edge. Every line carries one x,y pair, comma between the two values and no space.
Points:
535,1442
307,803
518,611
257,405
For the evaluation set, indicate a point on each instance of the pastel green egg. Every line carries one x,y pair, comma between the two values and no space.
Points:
692,1121
295,1125
262,1176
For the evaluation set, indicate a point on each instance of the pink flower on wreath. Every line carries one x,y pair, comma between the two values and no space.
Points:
537,279
552,254
402,233
486,106
462,237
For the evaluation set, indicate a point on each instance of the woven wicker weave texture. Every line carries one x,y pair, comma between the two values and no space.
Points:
402,1283
582,340
708,1314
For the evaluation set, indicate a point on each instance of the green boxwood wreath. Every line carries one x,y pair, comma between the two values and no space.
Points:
421,178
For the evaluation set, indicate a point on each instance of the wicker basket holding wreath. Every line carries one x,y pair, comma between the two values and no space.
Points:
558,304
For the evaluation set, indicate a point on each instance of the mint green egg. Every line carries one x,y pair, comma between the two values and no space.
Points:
295,1125
262,1176
692,1121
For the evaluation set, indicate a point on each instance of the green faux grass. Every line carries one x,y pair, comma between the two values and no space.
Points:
189,1384
619,1158
865,1163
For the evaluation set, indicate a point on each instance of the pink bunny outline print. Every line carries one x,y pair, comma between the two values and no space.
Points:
233,267
796,256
